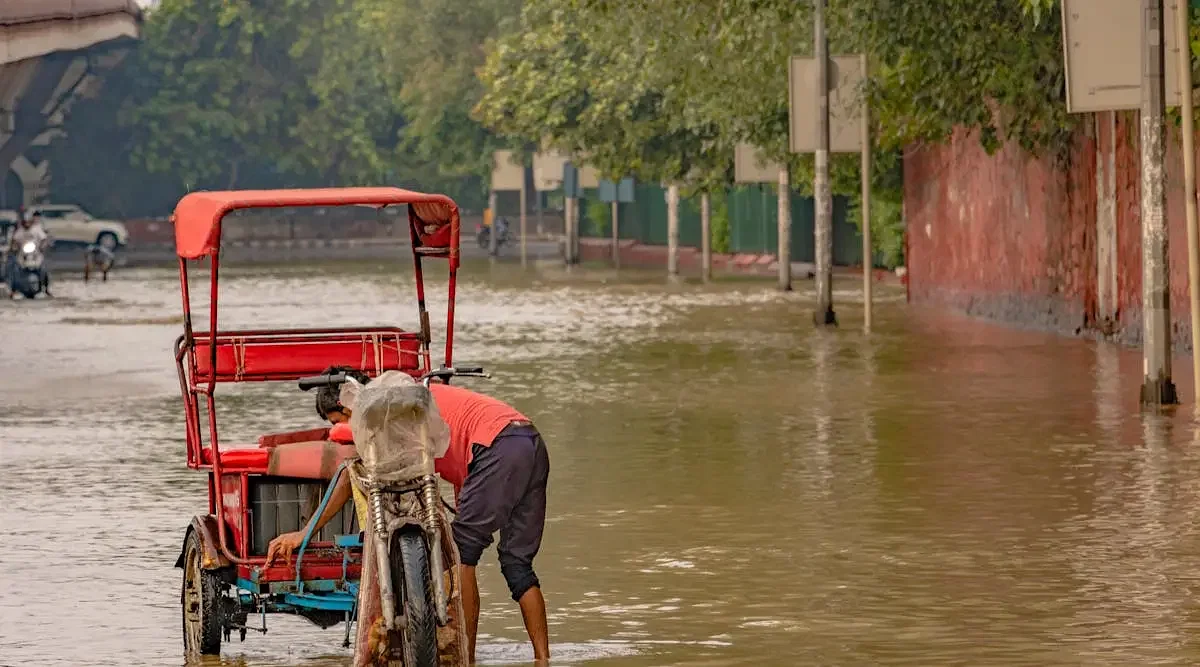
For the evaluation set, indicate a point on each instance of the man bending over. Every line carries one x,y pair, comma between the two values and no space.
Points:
498,465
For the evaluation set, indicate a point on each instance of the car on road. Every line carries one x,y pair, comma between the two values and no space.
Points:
69,224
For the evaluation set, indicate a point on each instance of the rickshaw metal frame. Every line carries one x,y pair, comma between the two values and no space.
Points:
434,230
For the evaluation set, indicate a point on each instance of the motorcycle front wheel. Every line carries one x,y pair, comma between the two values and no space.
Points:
413,584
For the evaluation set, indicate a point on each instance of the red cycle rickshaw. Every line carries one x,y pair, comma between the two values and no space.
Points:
257,492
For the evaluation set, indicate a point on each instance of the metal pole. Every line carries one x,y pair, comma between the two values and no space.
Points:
492,231
672,232
524,222
706,237
865,208
1157,387
567,208
784,218
823,223
575,227
616,234
1189,184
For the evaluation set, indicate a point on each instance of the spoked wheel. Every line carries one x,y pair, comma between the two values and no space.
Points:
201,602
410,569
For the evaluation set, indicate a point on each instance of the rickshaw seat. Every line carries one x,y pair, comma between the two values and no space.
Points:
252,356
316,459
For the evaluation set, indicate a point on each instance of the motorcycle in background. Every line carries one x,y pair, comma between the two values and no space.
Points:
484,234
27,271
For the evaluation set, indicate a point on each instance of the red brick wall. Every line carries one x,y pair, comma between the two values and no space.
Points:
1013,237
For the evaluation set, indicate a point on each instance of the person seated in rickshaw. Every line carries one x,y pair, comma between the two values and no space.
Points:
498,465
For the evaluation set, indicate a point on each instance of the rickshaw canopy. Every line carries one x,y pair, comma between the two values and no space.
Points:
434,219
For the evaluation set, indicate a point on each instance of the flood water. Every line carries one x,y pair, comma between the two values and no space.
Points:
728,485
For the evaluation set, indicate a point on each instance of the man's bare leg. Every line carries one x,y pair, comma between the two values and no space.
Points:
470,604
533,611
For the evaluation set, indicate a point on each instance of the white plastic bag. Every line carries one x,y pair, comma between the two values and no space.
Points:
394,420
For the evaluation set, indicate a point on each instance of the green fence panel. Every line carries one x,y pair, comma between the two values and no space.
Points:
753,226
803,219
753,222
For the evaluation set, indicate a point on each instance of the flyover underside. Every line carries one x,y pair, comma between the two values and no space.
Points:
44,67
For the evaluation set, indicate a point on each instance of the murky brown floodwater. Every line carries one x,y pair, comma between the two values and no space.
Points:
729,487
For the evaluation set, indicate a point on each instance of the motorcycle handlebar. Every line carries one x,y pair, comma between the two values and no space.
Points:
337,379
447,373
316,381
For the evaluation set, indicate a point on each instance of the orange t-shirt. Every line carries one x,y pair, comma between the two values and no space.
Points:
473,418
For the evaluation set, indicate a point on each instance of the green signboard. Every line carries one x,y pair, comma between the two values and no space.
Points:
570,181
621,192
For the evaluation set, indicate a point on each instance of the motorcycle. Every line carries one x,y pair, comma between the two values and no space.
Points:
28,271
398,433
484,234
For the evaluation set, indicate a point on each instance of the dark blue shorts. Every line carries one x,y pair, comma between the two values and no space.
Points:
505,492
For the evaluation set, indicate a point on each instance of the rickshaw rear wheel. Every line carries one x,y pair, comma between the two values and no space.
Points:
200,600
410,559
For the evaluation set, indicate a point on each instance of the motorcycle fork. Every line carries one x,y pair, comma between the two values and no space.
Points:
387,600
431,522
431,518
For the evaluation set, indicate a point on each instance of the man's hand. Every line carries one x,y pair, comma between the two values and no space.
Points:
284,545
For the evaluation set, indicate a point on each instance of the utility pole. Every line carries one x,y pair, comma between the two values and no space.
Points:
823,223
705,237
524,205
672,232
568,209
865,208
1157,387
1189,184
784,217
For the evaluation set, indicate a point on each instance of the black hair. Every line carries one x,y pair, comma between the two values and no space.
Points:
328,397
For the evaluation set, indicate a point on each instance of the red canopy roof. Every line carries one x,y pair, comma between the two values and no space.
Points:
198,214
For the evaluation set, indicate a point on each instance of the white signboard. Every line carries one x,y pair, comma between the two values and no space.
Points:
507,174
1102,48
845,91
750,167
548,170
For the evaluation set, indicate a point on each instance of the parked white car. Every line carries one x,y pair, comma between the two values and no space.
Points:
68,223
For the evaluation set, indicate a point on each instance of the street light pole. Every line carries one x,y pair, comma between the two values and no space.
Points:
823,219
1157,387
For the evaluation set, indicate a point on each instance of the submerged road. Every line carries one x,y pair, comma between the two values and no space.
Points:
729,486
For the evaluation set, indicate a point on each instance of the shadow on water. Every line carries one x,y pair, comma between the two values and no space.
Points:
729,486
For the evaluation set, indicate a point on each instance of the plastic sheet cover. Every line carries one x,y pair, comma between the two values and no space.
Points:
394,418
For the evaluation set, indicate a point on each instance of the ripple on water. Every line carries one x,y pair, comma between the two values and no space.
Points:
729,486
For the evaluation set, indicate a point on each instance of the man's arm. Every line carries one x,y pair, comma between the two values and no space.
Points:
286,543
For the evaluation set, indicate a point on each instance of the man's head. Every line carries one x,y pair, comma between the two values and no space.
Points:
329,405
28,220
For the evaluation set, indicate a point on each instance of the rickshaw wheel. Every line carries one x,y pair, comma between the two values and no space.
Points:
200,600
411,558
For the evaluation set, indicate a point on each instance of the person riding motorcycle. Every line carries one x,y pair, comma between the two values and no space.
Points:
29,229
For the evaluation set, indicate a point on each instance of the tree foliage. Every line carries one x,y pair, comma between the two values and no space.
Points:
272,93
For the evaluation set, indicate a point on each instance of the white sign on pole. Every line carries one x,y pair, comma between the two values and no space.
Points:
750,167
845,100
589,177
507,173
1102,51
548,170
